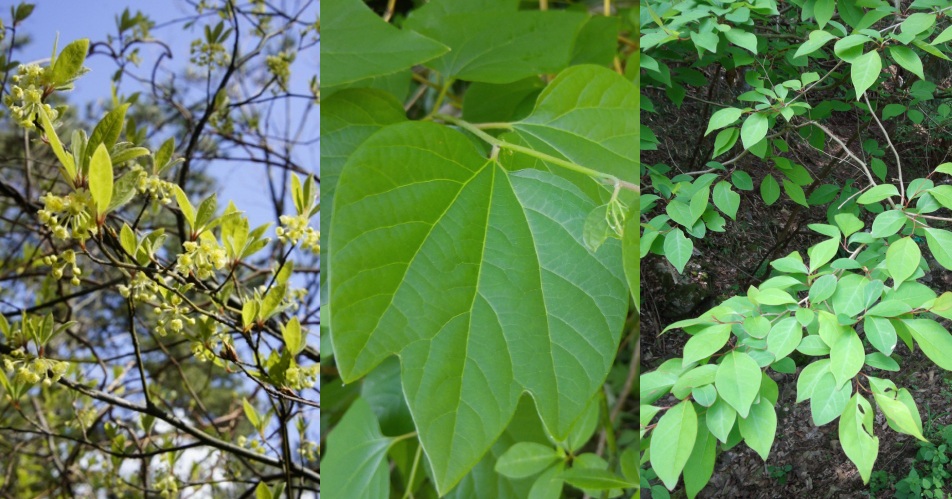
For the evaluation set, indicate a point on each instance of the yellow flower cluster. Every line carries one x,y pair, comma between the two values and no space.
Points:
295,229
58,264
26,95
69,216
153,185
172,316
204,258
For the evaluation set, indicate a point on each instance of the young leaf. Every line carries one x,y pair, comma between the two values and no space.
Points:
738,381
108,130
672,441
857,437
525,459
128,240
251,414
753,130
100,179
70,61
723,118
678,249
865,70
185,205
816,41
294,336
902,259
65,159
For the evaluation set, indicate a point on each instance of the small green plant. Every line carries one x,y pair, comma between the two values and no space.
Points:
936,471
779,473
880,481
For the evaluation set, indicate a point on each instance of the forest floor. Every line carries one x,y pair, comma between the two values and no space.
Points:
804,459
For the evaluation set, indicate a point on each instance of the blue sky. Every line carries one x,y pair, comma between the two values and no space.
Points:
74,19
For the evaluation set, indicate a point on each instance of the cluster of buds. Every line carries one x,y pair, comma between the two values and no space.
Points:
69,216
153,186
205,351
299,377
59,263
172,316
140,288
31,372
280,66
253,444
26,96
295,229
209,54
203,258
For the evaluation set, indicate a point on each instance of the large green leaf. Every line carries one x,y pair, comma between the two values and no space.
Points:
477,280
760,427
355,465
856,435
940,244
738,381
672,441
357,44
492,41
828,399
700,465
347,118
934,340
902,259
865,70
847,356
590,116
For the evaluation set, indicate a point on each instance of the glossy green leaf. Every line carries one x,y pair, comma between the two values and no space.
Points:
738,381
784,337
864,71
678,249
722,118
828,399
505,265
822,288
100,179
352,32
726,199
525,459
589,115
760,427
902,259
880,333
672,441
934,340
905,57
888,223
294,336
70,61
847,357
940,244
720,419
355,464
706,342
857,436
753,130
878,193
700,465
816,41
492,41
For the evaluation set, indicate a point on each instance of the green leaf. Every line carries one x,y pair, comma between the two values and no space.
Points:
549,484
769,189
724,141
100,179
70,61
760,427
738,381
774,296
107,131
262,491
847,356
562,119
672,441
406,193
65,159
753,130
706,342
857,435
942,194
494,42
816,41
357,455
352,32
594,479
742,39
795,192
943,37
917,23
880,333
525,459
293,336
678,249
905,57
726,199
720,419
251,413
877,194
810,377
902,259
865,70
631,255
881,361
722,118
822,288
184,204
128,240
828,399
893,110
823,11
888,223
700,466
900,415
940,244
934,340
784,337
742,180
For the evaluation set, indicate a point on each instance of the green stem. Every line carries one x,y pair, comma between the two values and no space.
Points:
440,97
475,130
416,461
